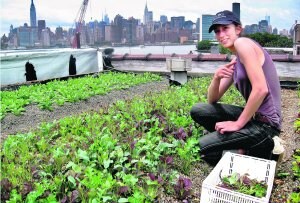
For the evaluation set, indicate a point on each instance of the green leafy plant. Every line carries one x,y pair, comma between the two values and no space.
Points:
183,188
73,90
294,197
104,156
245,185
296,164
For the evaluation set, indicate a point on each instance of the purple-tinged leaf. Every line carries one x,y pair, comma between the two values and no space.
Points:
180,134
152,176
155,178
160,180
64,199
74,196
166,159
169,160
246,180
132,144
6,185
27,188
183,188
123,190
187,183
181,130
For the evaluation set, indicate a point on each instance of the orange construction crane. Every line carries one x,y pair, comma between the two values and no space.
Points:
78,24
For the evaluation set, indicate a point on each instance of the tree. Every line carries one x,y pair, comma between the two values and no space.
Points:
204,45
271,40
224,50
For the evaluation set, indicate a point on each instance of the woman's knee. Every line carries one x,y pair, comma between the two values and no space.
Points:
263,150
198,110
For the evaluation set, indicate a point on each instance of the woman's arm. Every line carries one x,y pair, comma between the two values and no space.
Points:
252,57
221,82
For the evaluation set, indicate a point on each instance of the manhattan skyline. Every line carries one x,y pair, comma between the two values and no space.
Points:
63,13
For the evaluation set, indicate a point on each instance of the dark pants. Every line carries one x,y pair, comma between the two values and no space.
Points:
255,137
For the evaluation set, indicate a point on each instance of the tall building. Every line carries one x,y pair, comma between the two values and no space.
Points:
27,35
251,29
263,26
198,25
267,18
177,22
130,28
236,9
148,15
32,15
275,31
116,29
105,18
163,19
145,14
140,34
45,37
206,22
24,36
41,26
59,33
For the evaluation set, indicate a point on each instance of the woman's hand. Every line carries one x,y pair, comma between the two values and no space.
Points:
217,86
225,71
227,126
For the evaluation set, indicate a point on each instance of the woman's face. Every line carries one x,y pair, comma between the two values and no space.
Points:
227,34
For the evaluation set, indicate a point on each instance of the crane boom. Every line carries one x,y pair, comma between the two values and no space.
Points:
78,24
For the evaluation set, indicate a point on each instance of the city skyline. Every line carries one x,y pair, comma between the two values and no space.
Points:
282,14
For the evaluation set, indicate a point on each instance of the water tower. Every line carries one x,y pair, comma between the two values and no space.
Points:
296,39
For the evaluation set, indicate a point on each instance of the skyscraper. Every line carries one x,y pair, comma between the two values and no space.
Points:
41,26
263,25
198,25
177,22
267,18
236,9
206,22
148,15
163,19
32,15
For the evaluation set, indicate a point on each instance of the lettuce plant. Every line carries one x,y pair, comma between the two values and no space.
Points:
243,184
183,188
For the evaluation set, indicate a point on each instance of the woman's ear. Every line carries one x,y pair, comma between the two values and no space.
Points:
239,29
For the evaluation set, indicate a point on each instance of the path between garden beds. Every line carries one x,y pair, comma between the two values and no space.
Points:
33,116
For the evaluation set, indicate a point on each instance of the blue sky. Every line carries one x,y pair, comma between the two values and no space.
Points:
62,13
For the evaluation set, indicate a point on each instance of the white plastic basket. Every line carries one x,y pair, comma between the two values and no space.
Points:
259,169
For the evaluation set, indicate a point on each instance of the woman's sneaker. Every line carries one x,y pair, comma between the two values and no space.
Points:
278,150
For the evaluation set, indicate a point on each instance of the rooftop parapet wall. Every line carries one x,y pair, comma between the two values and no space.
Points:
55,64
288,66
197,57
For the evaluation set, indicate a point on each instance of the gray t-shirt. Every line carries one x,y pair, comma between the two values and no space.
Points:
271,106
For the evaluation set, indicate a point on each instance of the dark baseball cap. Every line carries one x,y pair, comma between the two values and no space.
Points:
224,18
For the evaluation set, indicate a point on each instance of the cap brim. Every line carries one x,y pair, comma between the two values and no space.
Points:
214,25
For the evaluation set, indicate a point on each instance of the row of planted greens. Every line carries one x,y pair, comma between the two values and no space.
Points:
128,152
294,197
58,92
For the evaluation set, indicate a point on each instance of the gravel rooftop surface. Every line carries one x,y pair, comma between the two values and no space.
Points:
33,116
